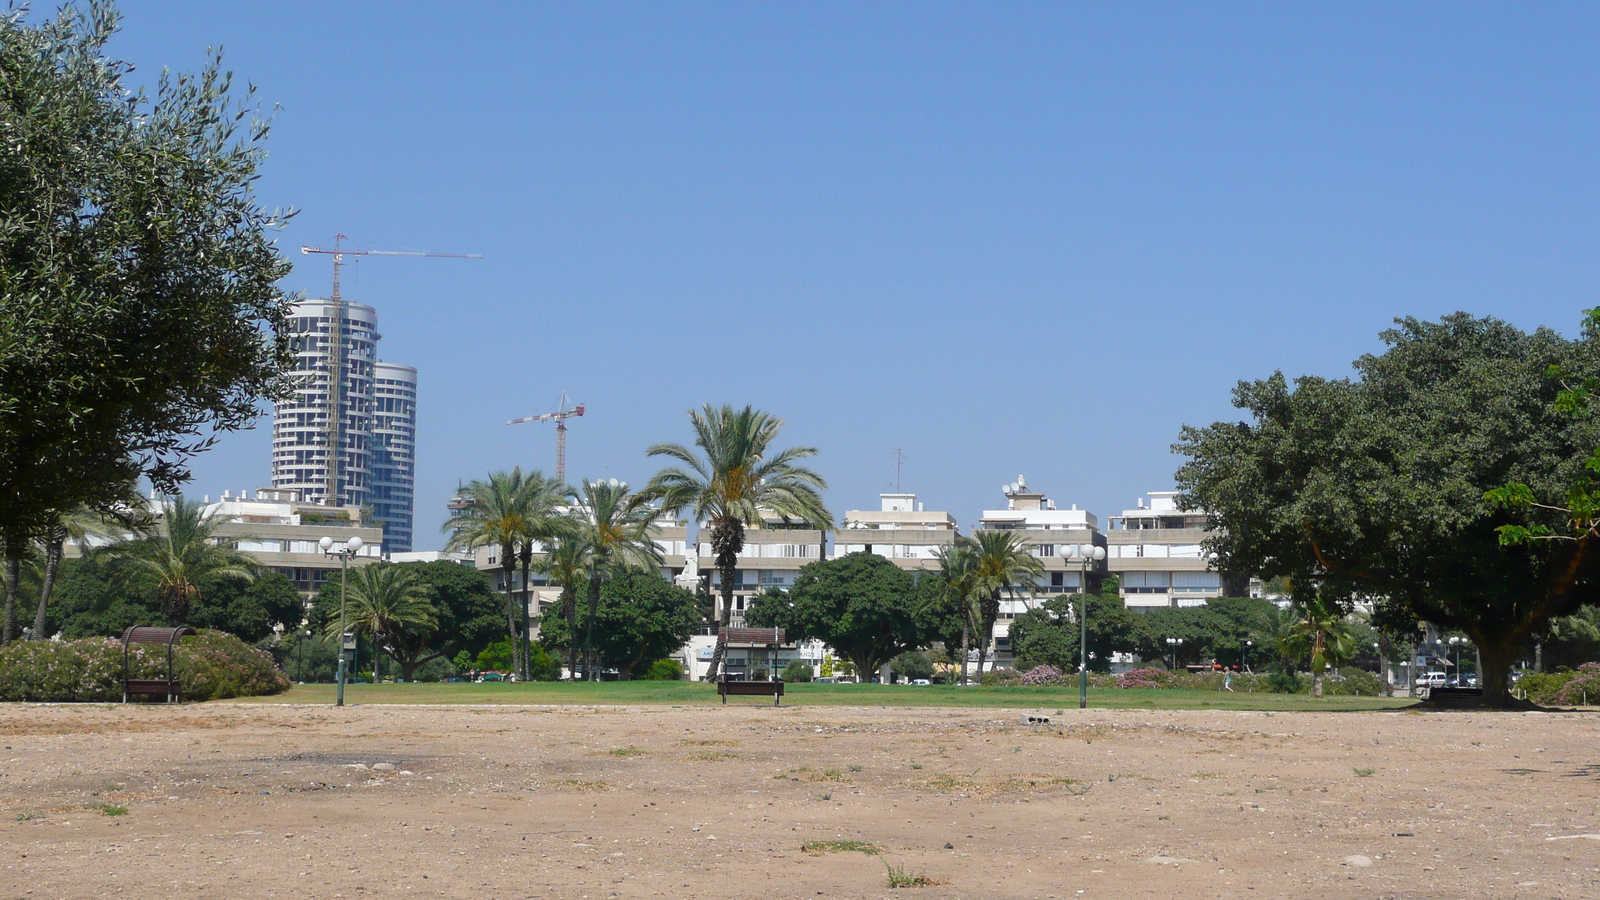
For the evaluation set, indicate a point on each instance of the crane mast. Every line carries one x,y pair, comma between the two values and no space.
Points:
334,430
560,417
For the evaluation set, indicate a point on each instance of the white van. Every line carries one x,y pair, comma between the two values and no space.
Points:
1431,680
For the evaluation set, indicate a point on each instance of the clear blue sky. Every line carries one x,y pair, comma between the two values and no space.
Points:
1007,238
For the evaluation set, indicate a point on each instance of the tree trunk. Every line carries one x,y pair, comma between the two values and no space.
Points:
1495,674
569,608
964,638
52,565
8,632
727,539
590,671
508,568
1316,683
990,613
1538,658
527,620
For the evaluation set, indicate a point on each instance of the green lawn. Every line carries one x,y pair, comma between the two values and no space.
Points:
689,693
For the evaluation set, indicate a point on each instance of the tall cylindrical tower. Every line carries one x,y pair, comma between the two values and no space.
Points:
300,425
394,446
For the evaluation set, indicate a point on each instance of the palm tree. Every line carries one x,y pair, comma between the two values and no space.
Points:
1322,632
184,557
390,605
509,511
958,579
1000,562
613,529
734,483
563,563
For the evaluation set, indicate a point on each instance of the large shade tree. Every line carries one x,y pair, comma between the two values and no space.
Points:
735,479
1374,486
140,311
862,605
641,618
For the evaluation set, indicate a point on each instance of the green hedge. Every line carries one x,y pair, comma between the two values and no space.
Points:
213,665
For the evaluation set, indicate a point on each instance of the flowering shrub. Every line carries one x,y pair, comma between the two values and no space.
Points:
1045,674
1146,678
211,666
1001,677
1564,688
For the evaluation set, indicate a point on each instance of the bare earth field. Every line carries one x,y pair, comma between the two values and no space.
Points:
235,800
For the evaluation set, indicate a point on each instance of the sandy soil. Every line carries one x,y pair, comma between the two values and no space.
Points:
574,802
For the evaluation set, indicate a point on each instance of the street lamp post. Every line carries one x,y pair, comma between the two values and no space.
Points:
1457,643
1245,663
305,635
350,548
1174,644
1086,555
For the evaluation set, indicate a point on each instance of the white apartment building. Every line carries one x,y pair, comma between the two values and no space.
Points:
281,533
1046,528
774,553
899,530
1156,553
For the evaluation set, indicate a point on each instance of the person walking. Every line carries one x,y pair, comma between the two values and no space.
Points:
1227,680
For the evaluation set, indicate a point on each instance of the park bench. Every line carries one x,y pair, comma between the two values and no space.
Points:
167,688
1453,696
773,689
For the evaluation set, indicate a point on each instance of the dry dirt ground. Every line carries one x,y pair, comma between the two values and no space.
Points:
575,802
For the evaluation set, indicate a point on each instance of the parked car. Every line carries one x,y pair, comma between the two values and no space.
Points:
920,681
489,676
1431,679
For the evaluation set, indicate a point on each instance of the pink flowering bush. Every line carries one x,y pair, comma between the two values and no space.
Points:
211,666
1583,685
1151,677
1045,674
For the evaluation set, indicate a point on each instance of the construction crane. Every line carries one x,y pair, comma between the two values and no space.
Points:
336,347
560,417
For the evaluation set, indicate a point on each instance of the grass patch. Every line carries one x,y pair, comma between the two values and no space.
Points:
712,755
109,809
707,743
29,816
991,787
899,877
856,768
1364,773
841,847
629,751
584,787
616,693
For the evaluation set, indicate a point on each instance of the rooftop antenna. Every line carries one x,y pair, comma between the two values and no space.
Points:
899,457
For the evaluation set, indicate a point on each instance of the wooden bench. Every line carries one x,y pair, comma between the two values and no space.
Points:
170,691
166,688
773,689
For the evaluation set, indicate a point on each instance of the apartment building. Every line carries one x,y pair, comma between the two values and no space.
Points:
1045,529
899,530
1156,553
774,553
337,378
281,532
